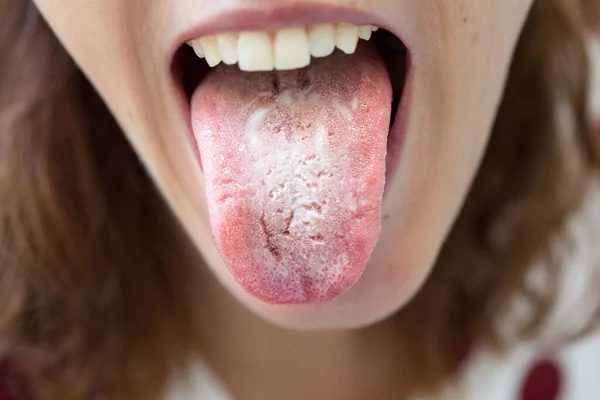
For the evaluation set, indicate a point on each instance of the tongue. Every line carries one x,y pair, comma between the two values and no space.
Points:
294,164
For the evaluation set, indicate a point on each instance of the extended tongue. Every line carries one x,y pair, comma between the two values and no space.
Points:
295,167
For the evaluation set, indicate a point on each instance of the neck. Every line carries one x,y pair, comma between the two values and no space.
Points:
256,360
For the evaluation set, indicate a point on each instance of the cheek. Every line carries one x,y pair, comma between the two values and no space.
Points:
78,24
99,36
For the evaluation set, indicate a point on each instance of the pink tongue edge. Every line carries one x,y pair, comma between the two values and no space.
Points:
261,242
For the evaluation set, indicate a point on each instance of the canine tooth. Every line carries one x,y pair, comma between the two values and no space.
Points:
364,32
374,28
322,40
346,37
255,51
197,47
211,51
228,47
291,49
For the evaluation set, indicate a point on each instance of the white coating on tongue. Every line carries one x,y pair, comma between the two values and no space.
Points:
294,165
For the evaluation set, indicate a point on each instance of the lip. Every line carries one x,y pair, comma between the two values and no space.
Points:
274,17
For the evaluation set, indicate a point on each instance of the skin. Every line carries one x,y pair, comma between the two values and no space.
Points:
452,109
461,51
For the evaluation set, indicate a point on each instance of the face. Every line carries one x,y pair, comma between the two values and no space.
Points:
314,202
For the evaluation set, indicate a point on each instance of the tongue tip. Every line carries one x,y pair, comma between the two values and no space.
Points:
280,271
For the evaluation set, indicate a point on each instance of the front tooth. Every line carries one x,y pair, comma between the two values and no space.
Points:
346,37
211,50
322,40
292,50
228,47
255,51
197,47
364,32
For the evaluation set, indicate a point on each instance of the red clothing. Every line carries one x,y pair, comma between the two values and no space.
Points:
12,385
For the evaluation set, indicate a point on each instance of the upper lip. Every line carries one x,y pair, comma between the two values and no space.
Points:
272,17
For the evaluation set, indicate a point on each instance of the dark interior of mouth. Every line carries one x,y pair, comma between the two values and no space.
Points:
189,70
294,164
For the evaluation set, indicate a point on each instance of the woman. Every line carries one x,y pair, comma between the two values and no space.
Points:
304,224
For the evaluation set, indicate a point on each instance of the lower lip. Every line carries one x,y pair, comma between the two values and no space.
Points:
399,126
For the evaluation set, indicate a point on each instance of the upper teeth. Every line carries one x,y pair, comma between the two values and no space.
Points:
285,49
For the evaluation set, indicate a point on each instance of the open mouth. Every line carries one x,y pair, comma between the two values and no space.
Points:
297,131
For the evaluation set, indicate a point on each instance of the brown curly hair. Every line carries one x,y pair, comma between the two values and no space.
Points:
89,302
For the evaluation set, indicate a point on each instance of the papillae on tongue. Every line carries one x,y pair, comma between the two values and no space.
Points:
294,164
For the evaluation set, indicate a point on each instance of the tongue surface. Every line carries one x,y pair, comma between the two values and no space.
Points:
294,164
